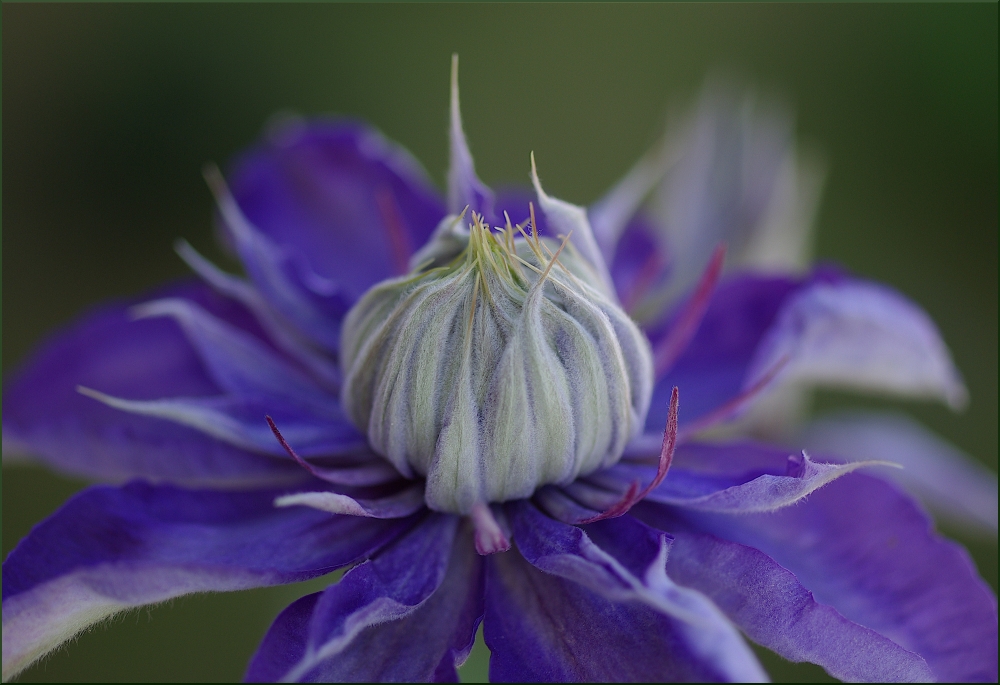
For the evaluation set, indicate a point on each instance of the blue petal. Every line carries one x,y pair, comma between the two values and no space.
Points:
858,335
758,493
713,368
241,422
729,159
514,201
339,198
259,383
772,608
44,415
865,549
601,609
951,484
639,266
280,330
239,363
770,333
313,304
409,614
110,549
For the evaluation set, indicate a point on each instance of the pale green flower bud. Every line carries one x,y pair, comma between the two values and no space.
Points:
499,366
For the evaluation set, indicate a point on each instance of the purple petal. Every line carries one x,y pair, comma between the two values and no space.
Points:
409,614
514,201
729,157
108,549
238,362
285,642
558,504
765,492
611,215
865,549
426,645
340,197
313,304
45,416
950,483
772,608
543,628
639,265
464,187
407,501
713,368
689,316
766,333
735,462
369,470
859,335
283,332
240,422
258,381
358,467
575,612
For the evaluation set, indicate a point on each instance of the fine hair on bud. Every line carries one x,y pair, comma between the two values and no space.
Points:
497,366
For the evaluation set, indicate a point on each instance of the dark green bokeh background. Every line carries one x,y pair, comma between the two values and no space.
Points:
110,111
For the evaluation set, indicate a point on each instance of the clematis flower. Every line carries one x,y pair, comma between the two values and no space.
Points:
490,408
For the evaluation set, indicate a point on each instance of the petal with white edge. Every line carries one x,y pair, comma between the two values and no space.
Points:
950,483
858,335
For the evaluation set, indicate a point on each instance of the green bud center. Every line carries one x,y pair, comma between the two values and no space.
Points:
497,366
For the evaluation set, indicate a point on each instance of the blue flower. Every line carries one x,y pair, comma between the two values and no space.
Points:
606,567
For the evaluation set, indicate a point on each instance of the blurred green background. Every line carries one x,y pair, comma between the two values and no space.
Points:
109,112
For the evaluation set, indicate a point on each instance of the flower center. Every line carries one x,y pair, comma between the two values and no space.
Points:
496,366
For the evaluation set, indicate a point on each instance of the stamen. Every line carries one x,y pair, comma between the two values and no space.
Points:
527,239
673,344
508,235
554,258
566,271
537,247
375,472
633,496
489,537
288,448
528,264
